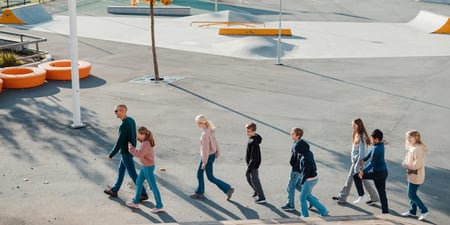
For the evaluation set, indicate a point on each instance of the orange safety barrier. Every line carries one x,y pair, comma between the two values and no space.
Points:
62,69
22,77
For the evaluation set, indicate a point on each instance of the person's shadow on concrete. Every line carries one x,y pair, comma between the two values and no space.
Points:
278,211
247,212
164,216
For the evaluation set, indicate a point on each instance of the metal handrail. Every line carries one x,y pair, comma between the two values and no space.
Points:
22,43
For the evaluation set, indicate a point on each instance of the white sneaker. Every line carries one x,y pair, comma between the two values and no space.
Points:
132,205
406,214
423,216
361,199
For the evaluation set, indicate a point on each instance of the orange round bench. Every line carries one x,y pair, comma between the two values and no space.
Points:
22,77
62,69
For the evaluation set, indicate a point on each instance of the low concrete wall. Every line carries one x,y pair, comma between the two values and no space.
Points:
437,1
157,10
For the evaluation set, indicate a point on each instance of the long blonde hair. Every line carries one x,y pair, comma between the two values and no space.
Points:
416,135
202,119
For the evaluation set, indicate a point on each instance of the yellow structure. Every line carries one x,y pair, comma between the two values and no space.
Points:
445,29
8,17
255,31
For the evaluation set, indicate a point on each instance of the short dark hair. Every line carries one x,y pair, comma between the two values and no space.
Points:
251,126
377,134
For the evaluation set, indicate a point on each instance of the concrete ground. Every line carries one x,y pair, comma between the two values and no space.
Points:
51,174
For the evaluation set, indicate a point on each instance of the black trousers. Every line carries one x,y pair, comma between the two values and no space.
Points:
380,183
253,180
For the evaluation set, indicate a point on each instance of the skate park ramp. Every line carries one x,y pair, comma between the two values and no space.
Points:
229,16
431,23
28,14
309,40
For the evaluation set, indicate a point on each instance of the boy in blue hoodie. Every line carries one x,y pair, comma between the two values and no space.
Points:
253,160
373,167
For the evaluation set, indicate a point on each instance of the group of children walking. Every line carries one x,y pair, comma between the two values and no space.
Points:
303,176
372,166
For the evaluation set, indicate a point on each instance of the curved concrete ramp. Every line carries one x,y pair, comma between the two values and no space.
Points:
431,23
28,14
225,15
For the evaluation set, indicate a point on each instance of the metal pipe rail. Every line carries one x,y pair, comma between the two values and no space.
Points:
21,40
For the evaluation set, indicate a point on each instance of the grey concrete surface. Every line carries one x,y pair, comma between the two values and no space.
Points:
51,174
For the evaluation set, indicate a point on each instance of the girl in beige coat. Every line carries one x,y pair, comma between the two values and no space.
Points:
414,163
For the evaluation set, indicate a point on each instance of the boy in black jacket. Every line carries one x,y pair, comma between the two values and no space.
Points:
253,160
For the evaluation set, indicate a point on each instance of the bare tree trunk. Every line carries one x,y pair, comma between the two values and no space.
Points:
155,60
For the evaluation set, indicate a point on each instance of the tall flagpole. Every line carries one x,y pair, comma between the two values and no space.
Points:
279,40
74,63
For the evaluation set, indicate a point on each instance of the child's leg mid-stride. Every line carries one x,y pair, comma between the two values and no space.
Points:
150,176
139,187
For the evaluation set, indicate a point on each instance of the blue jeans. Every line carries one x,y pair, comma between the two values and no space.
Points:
415,200
294,183
126,163
209,174
306,195
147,173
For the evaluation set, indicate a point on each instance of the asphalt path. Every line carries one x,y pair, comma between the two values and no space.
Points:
51,174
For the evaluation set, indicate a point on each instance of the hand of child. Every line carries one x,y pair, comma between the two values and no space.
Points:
217,154
130,146
203,166
361,174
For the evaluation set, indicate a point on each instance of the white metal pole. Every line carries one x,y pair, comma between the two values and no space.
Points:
215,6
74,63
279,40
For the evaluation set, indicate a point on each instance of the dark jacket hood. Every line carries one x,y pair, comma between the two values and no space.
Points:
257,138
305,147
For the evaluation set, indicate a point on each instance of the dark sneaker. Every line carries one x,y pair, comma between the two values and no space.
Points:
339,199
370,202
230,193
197,196
143,197
110,192
287,207
260,200
254,195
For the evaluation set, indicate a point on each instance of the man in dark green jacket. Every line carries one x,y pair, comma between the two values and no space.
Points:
127,134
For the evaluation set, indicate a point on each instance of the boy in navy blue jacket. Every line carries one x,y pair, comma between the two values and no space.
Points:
375,169
253,160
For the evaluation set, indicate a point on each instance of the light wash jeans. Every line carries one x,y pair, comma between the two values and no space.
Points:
147,173
368,185
306,195
126,163
415,200
209,174
294,183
